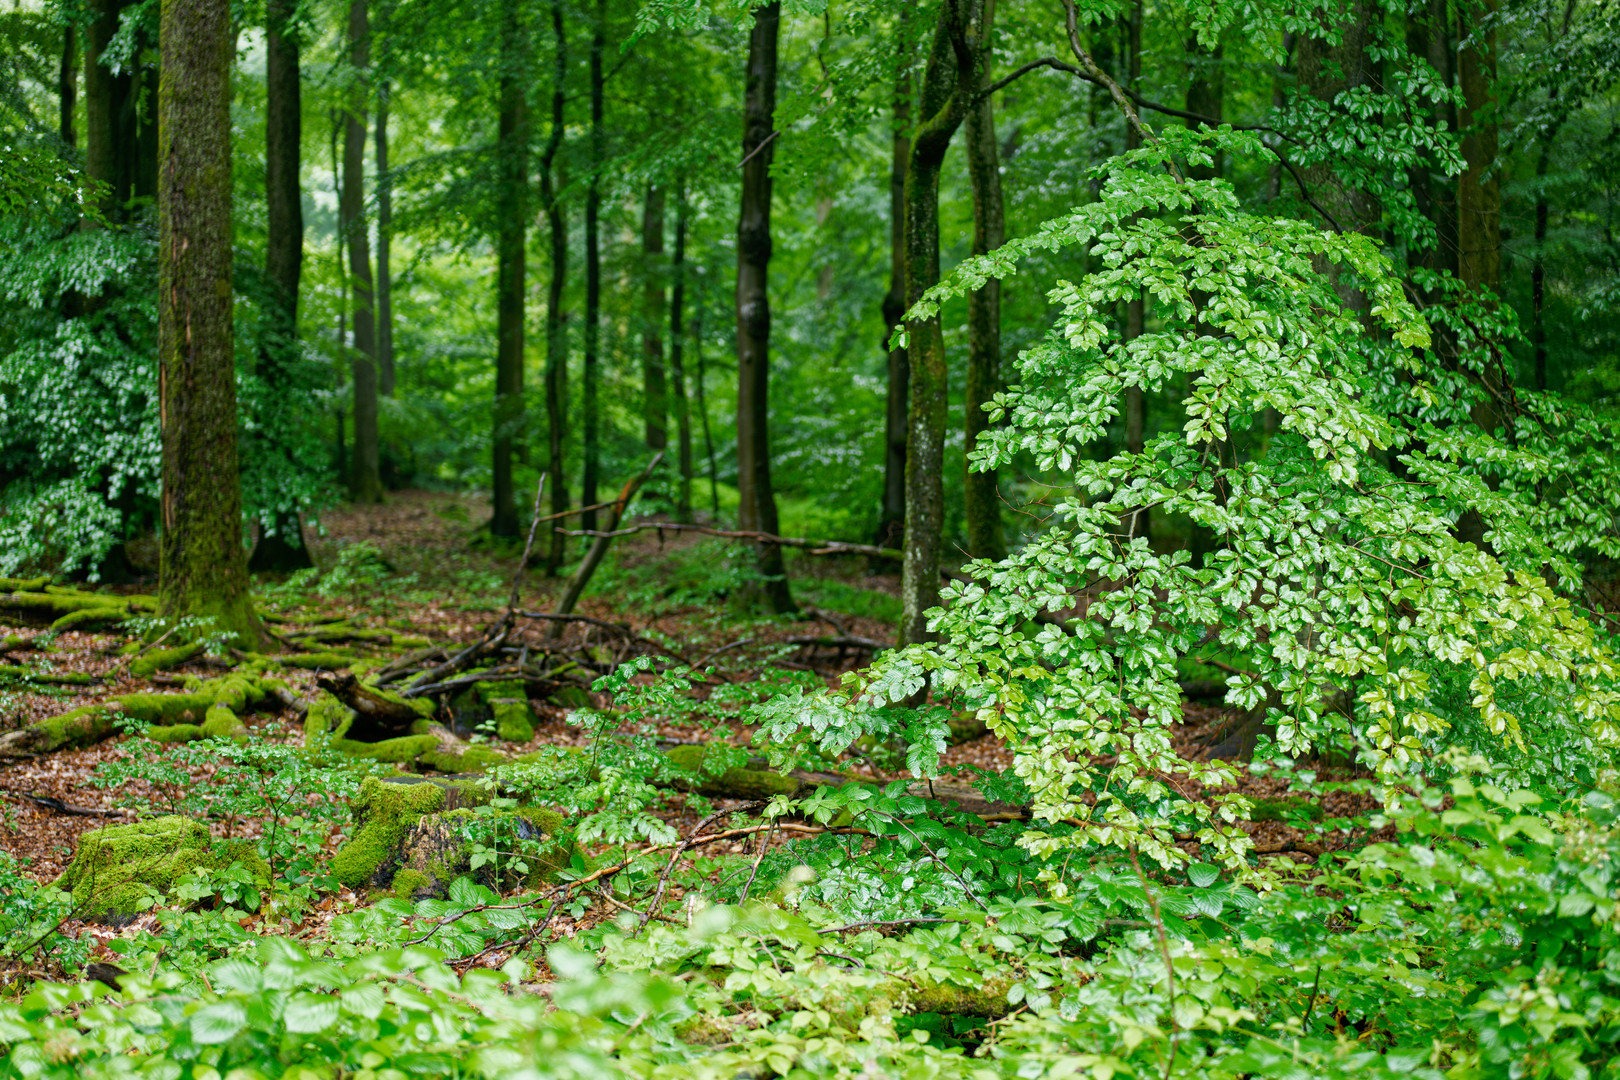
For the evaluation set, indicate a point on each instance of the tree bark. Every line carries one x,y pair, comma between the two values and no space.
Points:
511,277
1327,70
385,236
949,82
593,276
980,493
1538,268
757,502
892,519
203,570
703,415
654,380
556,317
281,549
67,85
677,359
1135,313
106,97
365,480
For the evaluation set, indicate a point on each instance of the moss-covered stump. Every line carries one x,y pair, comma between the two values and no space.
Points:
394,850
115,868
436,850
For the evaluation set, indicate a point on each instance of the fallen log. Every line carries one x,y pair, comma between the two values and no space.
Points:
379,714
593,558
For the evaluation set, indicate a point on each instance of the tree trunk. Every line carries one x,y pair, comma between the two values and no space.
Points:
105,100
556,318
703,415
677,361
1538,268
1206,96
511,278
949,82
365,480
593,275
980,493
1135,399
281,549
1327,70
203,569
654,383
757,503
67,85
892,519
385,236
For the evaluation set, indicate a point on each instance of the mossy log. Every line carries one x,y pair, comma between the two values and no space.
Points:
114,868
163,659
89,724
379,714
47,605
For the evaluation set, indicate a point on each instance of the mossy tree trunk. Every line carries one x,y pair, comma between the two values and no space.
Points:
757,502
949,84
556,317
365,477
385,236
203,567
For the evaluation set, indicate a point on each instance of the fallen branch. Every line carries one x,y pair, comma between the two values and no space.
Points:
815,547
593,557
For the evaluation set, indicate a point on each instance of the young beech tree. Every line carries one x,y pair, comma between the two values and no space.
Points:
204,568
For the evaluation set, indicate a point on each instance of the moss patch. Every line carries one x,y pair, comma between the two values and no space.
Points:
115,867
1287,808
733,783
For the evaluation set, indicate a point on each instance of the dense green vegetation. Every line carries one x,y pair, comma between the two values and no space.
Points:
1108,356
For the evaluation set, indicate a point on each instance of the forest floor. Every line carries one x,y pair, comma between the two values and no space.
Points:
676,593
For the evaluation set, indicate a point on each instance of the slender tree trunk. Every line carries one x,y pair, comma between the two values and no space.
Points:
654,381
1135,399
892,519
757,502
1538,268
677,362
593,275
365,480
385,236
203,568
67,86
703,415
512,276
281,548
556,318
980,493
105,97
948,84
1206,96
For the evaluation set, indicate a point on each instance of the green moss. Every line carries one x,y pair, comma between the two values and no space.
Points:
384,811
165,708
325,661
114,867
176,733
421,706
472,759
327,716
513,721
222,723
17,584
86,618
400,751
406,641
163,659
412,884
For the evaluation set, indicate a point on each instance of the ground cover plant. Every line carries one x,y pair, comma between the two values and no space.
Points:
1139,601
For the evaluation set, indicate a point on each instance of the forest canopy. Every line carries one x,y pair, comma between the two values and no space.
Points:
811,538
